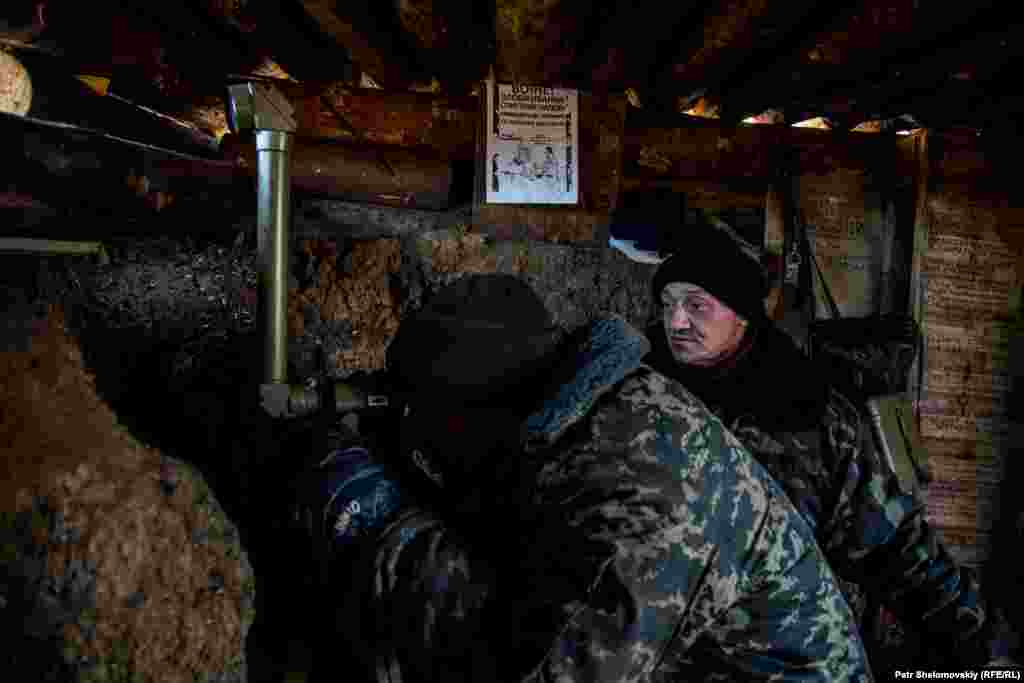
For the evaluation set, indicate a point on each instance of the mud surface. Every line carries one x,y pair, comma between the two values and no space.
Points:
116,561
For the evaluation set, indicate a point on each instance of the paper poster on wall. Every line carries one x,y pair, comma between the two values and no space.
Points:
532,153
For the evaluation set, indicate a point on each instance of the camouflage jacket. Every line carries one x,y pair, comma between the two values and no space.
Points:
632,539
822,451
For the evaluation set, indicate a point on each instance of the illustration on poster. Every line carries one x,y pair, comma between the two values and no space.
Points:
523,166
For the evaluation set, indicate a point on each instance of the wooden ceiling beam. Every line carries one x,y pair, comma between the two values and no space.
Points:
798,81
446,124
939,38
160,55
753,39
61,98
741,90
378,49
745,155
916,81
625,44
284,33
658,42
539,42
197,43
992,103
602,30
453,39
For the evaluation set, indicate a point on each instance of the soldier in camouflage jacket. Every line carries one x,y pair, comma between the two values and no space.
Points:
620,534
716,340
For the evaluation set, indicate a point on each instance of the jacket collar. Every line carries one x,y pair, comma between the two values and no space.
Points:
770,381
601,355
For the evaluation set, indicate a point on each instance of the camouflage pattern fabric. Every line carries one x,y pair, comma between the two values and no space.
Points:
633,538
873,532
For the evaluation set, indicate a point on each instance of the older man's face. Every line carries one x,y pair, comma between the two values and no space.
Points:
700,329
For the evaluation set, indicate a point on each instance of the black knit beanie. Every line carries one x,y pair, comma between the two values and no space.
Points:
477,340
714,261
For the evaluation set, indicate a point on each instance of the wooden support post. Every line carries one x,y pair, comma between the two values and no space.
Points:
918,276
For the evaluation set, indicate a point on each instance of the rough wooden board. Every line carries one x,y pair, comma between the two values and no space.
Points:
728,22
536,39
919,161
374,51
600,55
705,194
963,71
833,207
774,251
638,43
969,282
453,39
667,148
740,37
602,123
718,152
392,176
887,36
445,124
966,493
867,31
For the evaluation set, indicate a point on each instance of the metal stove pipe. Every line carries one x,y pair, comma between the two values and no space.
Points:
262,108
273,215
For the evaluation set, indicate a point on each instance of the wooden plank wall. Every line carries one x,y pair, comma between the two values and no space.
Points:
968,295
862,253
859,246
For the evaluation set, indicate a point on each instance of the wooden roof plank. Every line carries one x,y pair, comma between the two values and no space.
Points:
985,53
284,33
872,43
538,42
375,48
743,35
454,40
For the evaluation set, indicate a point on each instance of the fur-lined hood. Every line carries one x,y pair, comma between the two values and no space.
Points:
598,357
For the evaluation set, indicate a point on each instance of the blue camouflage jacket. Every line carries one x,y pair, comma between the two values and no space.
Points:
820,448
631,539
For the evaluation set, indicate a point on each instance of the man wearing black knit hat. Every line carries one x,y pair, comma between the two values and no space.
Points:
714,337
573,522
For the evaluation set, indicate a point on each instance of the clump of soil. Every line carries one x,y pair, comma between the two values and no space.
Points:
116,562
465,253
356,293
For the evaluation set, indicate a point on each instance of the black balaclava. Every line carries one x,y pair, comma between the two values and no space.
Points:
475,341
470,365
